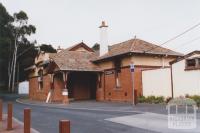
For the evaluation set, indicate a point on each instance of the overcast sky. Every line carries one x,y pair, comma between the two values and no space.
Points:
66,22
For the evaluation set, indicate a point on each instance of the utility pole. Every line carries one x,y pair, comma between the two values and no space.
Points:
132,67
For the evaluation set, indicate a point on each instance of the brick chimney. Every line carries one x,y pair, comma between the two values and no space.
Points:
59,49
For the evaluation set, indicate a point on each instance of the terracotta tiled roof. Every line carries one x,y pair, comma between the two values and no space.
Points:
137,46
75,60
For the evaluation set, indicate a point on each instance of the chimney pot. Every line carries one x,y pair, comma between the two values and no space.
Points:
103,24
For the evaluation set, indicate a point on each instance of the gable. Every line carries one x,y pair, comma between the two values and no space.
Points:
193,54
80,47
42,56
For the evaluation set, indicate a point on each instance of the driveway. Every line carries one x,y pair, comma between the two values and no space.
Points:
95,117
46,119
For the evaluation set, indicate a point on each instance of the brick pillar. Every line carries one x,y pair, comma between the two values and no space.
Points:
27,120
1,110
64,126
9,116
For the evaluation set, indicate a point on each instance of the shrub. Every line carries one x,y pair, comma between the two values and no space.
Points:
151,99
142,99
196,98
159,99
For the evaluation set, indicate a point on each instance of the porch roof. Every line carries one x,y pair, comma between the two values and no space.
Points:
75,61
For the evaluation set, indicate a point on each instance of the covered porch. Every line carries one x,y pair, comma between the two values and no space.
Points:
69,86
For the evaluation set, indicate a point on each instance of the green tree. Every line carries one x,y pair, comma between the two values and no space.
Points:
14,31
6,39
47,48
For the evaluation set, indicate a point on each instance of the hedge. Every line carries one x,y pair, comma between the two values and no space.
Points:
151,99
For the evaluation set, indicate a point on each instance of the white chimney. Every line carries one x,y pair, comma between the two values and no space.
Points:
103,38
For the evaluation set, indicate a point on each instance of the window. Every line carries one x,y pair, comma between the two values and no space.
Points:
193,63
100,80
117,65
198,62
40,79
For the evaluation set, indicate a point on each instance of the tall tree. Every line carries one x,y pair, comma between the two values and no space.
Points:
6,39
14,31
47,48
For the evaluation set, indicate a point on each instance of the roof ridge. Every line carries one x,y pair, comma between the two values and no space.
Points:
133,44
121,42
168,50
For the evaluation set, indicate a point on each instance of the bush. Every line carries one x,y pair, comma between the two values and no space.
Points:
159,99
141,99
151,99
196,98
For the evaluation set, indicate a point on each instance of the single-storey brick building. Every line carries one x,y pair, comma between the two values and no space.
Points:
79,72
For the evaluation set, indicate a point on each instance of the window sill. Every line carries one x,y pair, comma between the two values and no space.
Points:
192,68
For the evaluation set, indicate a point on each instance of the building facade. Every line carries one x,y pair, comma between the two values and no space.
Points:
79,73
185,75
180,79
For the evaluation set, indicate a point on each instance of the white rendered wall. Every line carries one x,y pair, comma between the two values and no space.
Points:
157,82
185,82
103,40
23,87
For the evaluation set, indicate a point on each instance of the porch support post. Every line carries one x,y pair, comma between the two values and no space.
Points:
65,90
51,88
52,81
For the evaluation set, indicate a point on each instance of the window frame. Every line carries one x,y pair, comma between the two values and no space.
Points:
117,68
196,64
40,80
100,81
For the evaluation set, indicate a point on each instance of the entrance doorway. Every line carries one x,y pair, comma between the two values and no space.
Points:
82,85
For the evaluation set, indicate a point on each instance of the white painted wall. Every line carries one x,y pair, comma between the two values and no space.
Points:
157,82
103,40
185,82
23,87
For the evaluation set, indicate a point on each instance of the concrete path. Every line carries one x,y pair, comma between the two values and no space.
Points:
151,122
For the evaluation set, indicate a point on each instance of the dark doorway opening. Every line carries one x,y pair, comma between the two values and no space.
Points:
82,85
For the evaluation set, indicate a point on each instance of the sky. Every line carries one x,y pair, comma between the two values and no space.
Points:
67,22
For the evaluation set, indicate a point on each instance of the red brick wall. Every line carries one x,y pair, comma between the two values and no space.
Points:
57,90
41,95
100,89
82,82
125,92
34,91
